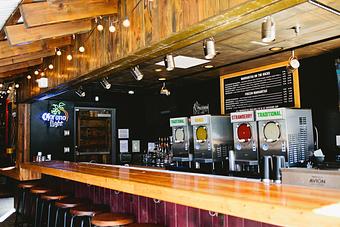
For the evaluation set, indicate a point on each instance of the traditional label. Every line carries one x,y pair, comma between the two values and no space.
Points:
270,114
180,121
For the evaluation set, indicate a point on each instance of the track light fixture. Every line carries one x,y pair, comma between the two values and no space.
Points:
80,92
164,90
209,48
106,84
293,62
268,32
137,74
169,62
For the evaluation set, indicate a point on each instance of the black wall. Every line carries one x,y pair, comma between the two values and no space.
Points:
147,114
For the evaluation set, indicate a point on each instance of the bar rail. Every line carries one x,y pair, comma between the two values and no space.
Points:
283,205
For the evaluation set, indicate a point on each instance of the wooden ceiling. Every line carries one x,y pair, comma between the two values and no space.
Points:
47,25
319,33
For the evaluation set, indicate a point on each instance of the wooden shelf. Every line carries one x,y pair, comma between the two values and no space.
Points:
275,204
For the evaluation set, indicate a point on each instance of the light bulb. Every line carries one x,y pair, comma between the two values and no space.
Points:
28,77
50,66
8,91
81,49
126,23
1,85
131,92
36,72
112,28
58,52
42,73
100,27
17,85
69,57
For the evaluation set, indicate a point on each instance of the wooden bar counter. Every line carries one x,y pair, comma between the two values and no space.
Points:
275,204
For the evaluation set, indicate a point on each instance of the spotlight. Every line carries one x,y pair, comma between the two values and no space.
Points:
69,57
112,28
58,52
50,66
36,72
164,90
96,98
209,48
80,92
42,82
169,62
137,74
17,85
81,49
126,22
105,83
131,92
28,77
268,30
293,62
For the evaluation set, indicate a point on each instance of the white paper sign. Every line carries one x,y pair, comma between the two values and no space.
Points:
135,146
124,146
123,133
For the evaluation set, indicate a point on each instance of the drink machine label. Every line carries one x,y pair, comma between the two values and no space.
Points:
180,121
270,114
244,116
200,120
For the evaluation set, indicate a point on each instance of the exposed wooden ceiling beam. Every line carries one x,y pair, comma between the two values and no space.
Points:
8,51
21,65
18,34
43,13
26,57
11,74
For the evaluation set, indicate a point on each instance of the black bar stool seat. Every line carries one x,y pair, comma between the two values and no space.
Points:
65,205
36,193
112,219
22,204
86,213
49,198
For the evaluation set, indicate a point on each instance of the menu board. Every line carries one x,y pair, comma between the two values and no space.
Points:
265,87
337,65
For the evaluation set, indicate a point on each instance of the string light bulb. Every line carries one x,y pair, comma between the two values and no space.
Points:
112,28
100,27
17,85
50,66
1,85
69,57
36,72
58,52
42,74
28,77
126,22
81,49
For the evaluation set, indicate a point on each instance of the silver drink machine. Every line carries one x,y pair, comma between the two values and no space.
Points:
212,138
182,147
245,140
286,132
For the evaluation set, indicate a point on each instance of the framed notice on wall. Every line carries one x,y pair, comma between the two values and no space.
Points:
269,86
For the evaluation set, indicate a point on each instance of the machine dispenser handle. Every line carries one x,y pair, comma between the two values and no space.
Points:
266,168
279,162
231,160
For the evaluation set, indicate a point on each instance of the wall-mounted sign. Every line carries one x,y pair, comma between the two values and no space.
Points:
57,116
266,87
337,65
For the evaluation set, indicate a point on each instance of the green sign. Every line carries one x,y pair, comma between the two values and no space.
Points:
270,114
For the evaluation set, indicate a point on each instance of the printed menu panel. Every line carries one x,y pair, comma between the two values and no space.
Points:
270,88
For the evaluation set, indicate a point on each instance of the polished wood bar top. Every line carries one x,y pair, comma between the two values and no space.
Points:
19,174
270,203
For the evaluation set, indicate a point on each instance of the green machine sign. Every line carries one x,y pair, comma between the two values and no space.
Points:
180,121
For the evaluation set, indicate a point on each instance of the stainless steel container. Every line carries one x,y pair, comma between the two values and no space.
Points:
212,138
245,137
286,132
182,146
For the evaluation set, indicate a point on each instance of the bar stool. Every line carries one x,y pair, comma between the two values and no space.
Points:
112,219
65,205
24,189
86,213
50,199
36,193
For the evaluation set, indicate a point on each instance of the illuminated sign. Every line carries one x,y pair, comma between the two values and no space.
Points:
242,116
180,121
270,114
57,116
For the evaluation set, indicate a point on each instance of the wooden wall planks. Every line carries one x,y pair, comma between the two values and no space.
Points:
150,24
